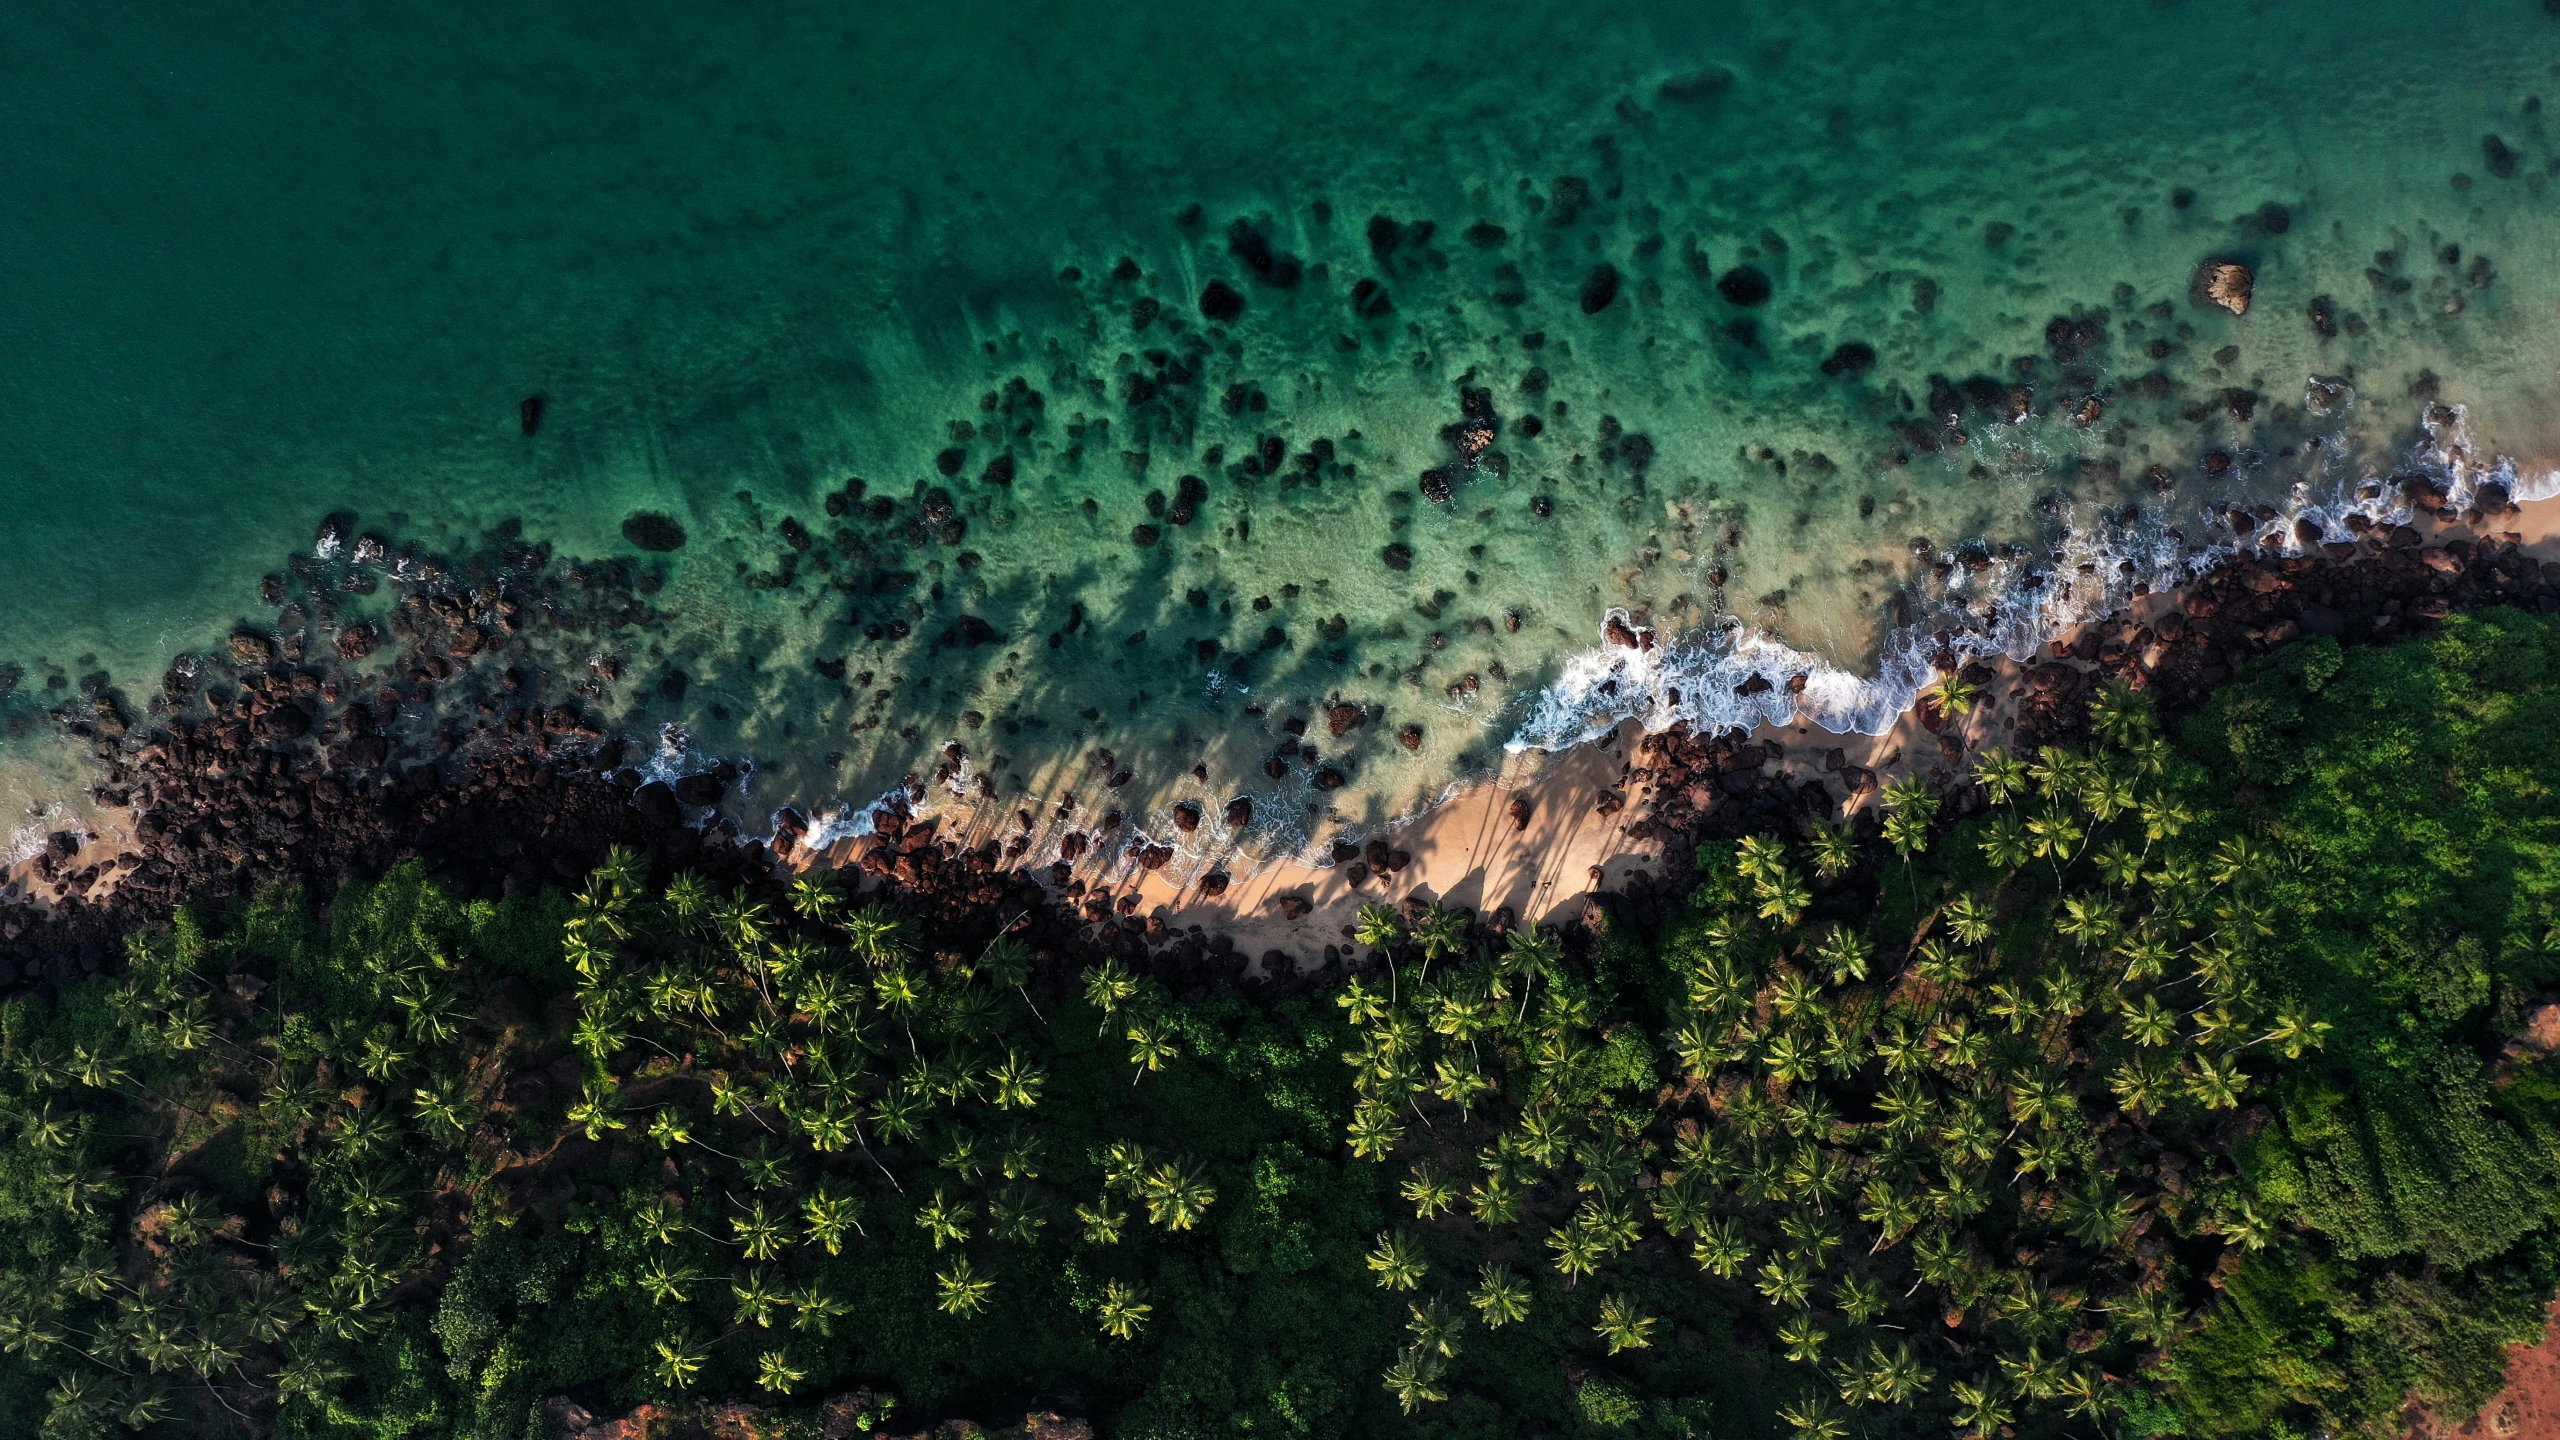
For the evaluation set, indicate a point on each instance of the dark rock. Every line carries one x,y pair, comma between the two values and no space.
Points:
1239,812
1220,302
702,789
1850,360
1599,288
1398,556
529,413
1744,285
654,532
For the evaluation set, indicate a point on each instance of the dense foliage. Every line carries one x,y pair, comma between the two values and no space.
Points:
2148,1088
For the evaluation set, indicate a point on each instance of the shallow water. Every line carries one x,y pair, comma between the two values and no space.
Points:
253,272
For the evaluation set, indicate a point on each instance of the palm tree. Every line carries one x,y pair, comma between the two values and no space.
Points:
1373,1131
1123,1311
1434,1327
2120,714
1835,849
1896,1377
1499,1297
1415,1380
775,1372
1812,1418
1429,1193
1397,1261
1015,1084
1981,1410
877,935
1007,962
1803,1338
1439,932
1956,695
2295,1034
1494,1200
1783,897
1103,1225
2216,1084
1784,1283
1624,1326
946,1220
757,1297
679,1362
961,1290
759,1233
1843,954
815,1310
2005,842
1860,1300
2142,1083
1578,1251
1150,1047
1176,1195
1376,927
1107,987
1760,858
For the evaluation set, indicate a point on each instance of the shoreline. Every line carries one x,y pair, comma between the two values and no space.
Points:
1538,843
1551,832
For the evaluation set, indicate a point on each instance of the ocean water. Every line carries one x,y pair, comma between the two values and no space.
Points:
1530,314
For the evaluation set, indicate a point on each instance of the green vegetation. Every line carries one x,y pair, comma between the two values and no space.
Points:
2165,1090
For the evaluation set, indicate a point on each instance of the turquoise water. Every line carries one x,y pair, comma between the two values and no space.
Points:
253,270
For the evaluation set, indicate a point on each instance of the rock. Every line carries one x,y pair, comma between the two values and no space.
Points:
252,650
703,789
1518,810
1398,556
529,413
1599,288
1744,285
1328,778
355,642
2226,283
1858,778
654,532
336,529
1851,360
1410,737
2499,156
1617,631
1214,884
565,1416
1220,303
1239,812
1344,718
1295,907
1186,817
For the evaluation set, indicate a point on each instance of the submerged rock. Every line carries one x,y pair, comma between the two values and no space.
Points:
654,532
